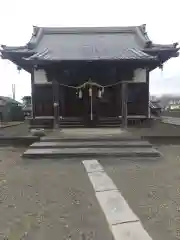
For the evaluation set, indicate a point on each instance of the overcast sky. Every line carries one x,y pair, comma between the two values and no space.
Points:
18,17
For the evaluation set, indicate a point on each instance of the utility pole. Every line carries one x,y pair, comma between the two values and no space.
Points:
14,91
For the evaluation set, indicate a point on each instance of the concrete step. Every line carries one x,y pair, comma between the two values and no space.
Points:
70,122
107,125
89,138
90,144
71,125
91,152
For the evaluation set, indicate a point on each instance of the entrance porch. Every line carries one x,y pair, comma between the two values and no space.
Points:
85,108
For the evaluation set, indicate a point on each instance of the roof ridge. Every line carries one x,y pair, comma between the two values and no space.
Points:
98,29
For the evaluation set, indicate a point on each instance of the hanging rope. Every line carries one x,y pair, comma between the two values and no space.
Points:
90,83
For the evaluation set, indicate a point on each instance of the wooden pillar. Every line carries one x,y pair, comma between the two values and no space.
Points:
119,104
33,114
147,83
62,103
124,97
55,92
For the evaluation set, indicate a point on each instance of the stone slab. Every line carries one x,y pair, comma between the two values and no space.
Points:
130,231
92,166
101,181
121,144
91,152
115,207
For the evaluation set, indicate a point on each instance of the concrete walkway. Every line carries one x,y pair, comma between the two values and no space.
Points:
9,124
171,120
89,132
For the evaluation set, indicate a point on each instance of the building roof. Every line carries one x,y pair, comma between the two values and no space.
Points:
26,97
90,53
88,44
9,100
155,104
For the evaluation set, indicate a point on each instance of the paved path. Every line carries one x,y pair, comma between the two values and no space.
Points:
122,221
9,124
90,132
18,130
171,120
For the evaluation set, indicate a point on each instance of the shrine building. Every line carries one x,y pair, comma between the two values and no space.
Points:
92,76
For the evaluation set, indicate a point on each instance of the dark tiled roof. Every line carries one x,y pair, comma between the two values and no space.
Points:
97,54
84,43
94,43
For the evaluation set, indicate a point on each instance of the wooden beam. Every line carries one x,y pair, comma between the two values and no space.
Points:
147,82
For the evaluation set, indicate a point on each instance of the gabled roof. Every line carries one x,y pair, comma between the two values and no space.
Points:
99,43
96,43
89,44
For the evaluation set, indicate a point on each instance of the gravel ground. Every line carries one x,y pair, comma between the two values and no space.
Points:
152,189
47,199
43,199
157,129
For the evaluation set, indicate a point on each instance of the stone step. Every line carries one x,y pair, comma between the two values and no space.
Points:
108,125
89,138
71,125
70,122
94,126
91,152
96,144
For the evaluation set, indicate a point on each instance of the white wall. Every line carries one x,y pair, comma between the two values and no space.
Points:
40,77
140,75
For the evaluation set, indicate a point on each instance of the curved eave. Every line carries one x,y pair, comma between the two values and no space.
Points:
163,52
129,54
8,54
90,60
157,51
16,55
150,64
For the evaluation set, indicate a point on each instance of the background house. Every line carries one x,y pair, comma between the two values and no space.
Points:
10,110
27,106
